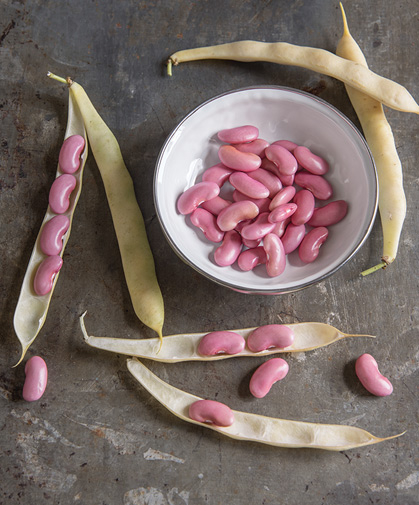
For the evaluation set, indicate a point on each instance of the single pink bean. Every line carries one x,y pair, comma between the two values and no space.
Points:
192,198
59,194
238,211
210,411
69,157
257,146
293,236
283,159
215,205
51,239
275,255
221,342
282,212
36,379
251,258
266,375
330,214
207,223
285,195
248,186
281,227
310,161
239,135
268,179
304,199
317,184
45,275
217,173
270,335
258,228
262,203
366,369
227,253
232,158
287,144
311,243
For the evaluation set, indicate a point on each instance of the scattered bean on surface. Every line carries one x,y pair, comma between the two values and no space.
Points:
36,379
266,375
366,369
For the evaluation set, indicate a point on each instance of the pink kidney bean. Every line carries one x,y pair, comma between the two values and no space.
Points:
210,411
311,243
192,198
229,218
281,226
257,146
304,199
69,157
285,195
275,255
44,277
237,160
286,144
317,184
239,135
217,173
251,258
310,161
207,223
287,180
261,203
227,253
59,194
268,179
248,186
283,159
366,369
282,212
258,228
221,342
292,237
330,214
266,375
270,166
270,335
36,379
215,205
51,239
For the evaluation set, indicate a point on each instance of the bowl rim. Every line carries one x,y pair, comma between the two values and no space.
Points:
271,291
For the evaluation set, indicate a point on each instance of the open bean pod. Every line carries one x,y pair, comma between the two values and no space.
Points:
31,309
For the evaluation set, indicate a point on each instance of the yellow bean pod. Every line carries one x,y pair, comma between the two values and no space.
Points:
254,427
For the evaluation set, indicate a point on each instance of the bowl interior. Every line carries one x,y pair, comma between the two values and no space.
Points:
279,113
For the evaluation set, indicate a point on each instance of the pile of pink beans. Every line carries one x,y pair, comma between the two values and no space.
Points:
53,231
280,203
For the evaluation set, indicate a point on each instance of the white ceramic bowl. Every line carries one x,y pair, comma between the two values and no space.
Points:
279,113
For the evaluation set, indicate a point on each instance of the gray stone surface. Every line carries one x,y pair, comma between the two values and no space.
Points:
96,437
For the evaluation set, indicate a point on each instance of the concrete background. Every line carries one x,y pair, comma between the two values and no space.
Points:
96,437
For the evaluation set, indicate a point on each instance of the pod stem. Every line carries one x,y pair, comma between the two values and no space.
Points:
169,67
371,270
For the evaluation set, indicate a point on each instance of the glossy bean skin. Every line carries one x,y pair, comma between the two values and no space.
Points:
70,152
51,238
258,228
251,258
311,243
237,160
261,203
207,223
210,411
283,159
287,180
304,199
239,134
59,194
257,147
217,173
36,379
330,214
270,335
231,216
45,274
192,198
275,255
215,205
285,195
227,253
292,237
217,342
281,227
286,144
282,212
317,184
268,179
248,186
366,369
266,375
310,161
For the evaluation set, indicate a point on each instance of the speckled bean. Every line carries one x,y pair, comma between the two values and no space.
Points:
192,198
330,214
239,134
266,375
317,184
270,335
258,228
282,212
238,211
69,157
283,159
268,179
51,238
210,411
237,160
215,205
285,195
45,274
304,199
251,258
248,186
366,369
227,253
310,161
221,342
275,255
207,223
59,194
257,147
217,173
292,237
36,379
311,243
